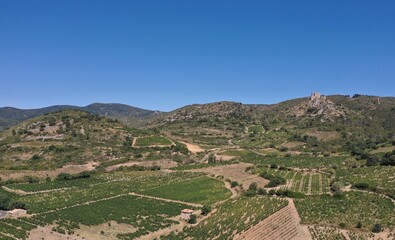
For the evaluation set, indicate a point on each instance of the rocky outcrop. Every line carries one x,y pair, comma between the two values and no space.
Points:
318,105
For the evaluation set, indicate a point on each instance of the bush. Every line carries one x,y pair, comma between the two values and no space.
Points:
262,191
359,225
63,177
377,228
253,186
192,219
4,202
273,165
31,179
250,193
362,186
274,180
234,184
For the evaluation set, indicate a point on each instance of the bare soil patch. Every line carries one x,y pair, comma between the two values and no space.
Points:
384,149
193,148
46,233
291,144
104,231
324,136
235,172
164,164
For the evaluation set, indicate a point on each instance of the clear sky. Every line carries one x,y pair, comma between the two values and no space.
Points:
164,54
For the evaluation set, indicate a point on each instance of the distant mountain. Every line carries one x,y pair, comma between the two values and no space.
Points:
10,116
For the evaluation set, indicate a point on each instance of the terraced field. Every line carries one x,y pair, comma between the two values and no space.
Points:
231,218
309,183
280,225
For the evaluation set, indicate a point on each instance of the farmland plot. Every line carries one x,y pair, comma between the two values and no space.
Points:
349,209
381,177
203,190
231,218
309,183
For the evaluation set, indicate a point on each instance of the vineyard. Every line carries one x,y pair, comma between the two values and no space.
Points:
280,225
143,216
380,177
306,182
301,161
231,218
202,190
329,233
107,198
347,210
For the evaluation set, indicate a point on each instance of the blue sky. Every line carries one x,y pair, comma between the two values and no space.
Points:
165,54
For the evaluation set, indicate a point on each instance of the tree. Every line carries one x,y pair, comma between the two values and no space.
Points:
192,219
253,186
234,184
206,209
359,225
262,191
211,158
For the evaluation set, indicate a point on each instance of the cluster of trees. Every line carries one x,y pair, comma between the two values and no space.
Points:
372,160
6,203
274,180
139,168
181,148
67,176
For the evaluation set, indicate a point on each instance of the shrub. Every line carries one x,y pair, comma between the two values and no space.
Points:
206,209
234,184
359,225
250,193
192,219
376,228
362,186
253,186
262,191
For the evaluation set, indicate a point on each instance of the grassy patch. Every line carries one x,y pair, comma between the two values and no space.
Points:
152,140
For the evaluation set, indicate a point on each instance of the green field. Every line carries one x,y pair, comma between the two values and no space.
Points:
152,140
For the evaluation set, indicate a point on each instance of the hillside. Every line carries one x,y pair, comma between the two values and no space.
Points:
316,124
77,137
10,116
319,126
309,168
